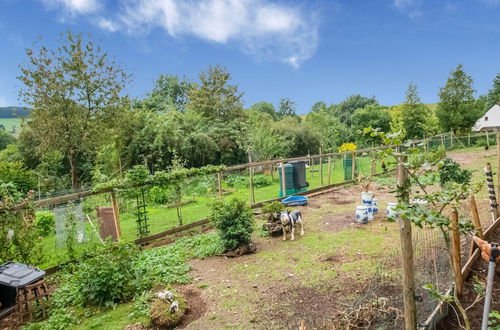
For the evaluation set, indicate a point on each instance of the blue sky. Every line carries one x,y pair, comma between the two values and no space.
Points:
306,50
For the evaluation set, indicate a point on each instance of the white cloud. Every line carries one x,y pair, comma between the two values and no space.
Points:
261,28
404,3
107,24
74,7
491,2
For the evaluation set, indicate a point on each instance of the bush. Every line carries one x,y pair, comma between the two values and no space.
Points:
235,180
45,223
158,195
450,171
234,222
261,181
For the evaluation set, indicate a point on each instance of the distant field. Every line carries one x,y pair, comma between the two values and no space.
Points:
8,123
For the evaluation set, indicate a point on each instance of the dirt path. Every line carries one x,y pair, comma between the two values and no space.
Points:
310,279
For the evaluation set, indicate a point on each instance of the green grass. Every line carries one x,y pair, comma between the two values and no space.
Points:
110,319
8,123
162,218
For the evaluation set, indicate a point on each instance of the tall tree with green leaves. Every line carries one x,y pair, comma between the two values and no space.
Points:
287,108
493,96
328,129
265,107
457,109
416,117
373,115
169,93
346,108
214,98
75,95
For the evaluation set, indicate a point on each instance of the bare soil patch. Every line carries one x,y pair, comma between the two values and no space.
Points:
197,306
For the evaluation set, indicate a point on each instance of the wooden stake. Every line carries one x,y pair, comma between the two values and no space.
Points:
321,166
491,192
457,256
329,169
475,216
250,172
468,140
283,181
374,166
442,141
353,174
410,308
219,183
487,139
116,211
451,139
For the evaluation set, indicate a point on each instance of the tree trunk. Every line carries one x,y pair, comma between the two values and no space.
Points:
72,165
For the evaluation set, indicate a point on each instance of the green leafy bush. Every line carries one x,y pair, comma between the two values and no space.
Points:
235,180
158,195
234,222
261,181
44,223
450,171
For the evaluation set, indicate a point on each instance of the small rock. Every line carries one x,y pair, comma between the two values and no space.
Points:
254,286
228,286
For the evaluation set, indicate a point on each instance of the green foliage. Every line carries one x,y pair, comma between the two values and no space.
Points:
373,115
261,181
18,175
434,293
234,222
273,207
169,94
493,96
159,195
45,223
75,95
457,109
494,320
450,171
6,139
18,241
287,108
346,108
416,118
265,107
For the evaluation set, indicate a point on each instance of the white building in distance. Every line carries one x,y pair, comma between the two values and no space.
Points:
490,121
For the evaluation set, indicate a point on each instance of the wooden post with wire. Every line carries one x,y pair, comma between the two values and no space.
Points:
410,308
329,169
321,166
353,173
250,173
116,212
457,255
283,179
487,139
475,216
491,192
219,184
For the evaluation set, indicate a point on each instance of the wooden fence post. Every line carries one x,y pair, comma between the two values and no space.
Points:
219,183
491,191
451,140
329,169
468,140
475,216
321,166
410,308
250,172
374,166
442,142
487,139
353,173
457,255
116,211
283,179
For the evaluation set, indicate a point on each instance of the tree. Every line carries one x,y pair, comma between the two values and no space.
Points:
318,106
457,109
416,117
213,98
373,115
346,108
265,107
493,96
169,93
330,132
75,95
287,108
6,139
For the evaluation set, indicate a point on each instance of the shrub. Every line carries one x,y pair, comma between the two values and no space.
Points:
235,180
450,171
44,223
261,181
158,195
234,222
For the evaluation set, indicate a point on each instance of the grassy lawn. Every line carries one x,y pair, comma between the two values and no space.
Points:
9,123
162,218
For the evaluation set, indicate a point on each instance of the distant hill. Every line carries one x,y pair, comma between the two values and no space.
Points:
14,112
